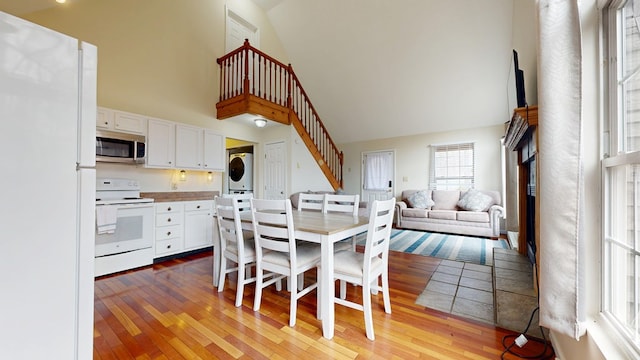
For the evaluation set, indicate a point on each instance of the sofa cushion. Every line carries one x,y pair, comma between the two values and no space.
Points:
474,200
442,214
473,216
445,199
415,213
421,200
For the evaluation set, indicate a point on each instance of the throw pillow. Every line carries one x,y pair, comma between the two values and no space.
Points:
474,200
420,200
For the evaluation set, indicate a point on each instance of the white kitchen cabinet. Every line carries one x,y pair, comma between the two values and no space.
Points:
189,147
198,224
169,228
104,119
214,151
199,149
116,120
161,144
183,226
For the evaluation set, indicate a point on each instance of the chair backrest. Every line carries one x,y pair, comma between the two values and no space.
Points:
273,226
341,203
229,226
310,201
243,200
379,230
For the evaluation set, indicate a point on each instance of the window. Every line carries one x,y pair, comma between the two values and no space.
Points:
621,170
452,167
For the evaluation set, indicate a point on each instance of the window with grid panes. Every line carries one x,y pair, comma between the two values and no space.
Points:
452,167
621,171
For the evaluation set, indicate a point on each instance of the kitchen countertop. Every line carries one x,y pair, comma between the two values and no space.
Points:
180,195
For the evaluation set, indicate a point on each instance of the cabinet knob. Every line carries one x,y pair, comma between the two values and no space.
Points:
169,246
169,220
198,207
169,208
106,123
168,233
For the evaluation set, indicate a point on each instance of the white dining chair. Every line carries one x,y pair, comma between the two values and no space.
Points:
342,203
234,247
277,251
366,268
310,202
244,200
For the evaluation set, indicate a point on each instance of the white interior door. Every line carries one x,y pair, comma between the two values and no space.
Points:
275,170
378,175
238,29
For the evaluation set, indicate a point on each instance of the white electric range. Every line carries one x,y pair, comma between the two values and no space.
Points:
124,226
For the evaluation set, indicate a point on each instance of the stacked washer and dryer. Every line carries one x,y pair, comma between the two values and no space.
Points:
240,173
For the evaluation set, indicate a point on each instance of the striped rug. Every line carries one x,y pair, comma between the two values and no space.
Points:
444,246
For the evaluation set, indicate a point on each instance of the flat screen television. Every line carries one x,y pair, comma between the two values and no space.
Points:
521,98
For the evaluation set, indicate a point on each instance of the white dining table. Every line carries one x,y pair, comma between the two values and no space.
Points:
323,229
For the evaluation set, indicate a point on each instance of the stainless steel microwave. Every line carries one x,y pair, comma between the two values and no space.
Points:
118,147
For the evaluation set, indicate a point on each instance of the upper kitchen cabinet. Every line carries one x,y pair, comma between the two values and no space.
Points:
214,150
161,144
188,147
199,149
175,145
116,120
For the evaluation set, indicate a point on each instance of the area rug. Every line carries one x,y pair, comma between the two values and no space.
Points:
476,250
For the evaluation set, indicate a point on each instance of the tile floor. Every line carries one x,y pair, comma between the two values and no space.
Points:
502,294
460,288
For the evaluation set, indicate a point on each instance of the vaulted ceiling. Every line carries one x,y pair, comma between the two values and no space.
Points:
378,68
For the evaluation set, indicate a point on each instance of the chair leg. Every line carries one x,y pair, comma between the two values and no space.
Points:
385,292
223,272
258,294
343,289
240,284
366,304
293,306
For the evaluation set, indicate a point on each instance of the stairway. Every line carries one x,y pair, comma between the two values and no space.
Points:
252,82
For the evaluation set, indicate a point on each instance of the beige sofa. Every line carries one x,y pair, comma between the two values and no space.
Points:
475,213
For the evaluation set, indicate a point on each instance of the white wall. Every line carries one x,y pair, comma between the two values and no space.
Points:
413,157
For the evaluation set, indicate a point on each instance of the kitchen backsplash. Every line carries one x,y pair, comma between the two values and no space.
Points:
160,180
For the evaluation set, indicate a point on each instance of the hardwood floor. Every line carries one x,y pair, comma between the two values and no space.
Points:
172,311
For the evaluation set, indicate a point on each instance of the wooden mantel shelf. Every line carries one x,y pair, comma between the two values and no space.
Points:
523,119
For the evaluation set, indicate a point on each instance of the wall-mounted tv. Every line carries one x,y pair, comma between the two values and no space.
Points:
522,100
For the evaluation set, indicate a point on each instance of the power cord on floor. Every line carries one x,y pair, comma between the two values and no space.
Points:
520,340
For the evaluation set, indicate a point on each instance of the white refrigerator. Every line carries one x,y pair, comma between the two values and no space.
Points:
47,217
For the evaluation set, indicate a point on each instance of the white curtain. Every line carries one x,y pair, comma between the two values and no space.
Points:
377,172
561,271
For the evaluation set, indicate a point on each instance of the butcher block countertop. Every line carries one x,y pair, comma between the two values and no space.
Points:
180,195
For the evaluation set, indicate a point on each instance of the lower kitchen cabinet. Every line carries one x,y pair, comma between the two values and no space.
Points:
198,224
183,226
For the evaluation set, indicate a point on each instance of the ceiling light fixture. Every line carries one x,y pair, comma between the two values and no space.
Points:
260,122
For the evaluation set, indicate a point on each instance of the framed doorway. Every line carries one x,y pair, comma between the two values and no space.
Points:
378,175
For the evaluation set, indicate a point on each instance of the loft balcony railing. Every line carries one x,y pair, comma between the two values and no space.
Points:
254,82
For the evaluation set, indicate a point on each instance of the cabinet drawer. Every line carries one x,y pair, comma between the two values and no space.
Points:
167,232
166,219
168,246
168,208
198,206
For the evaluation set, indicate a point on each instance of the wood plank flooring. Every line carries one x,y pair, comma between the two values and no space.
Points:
171,310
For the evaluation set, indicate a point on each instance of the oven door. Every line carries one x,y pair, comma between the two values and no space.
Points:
134,230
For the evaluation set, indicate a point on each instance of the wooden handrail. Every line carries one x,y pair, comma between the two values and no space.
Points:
248,71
